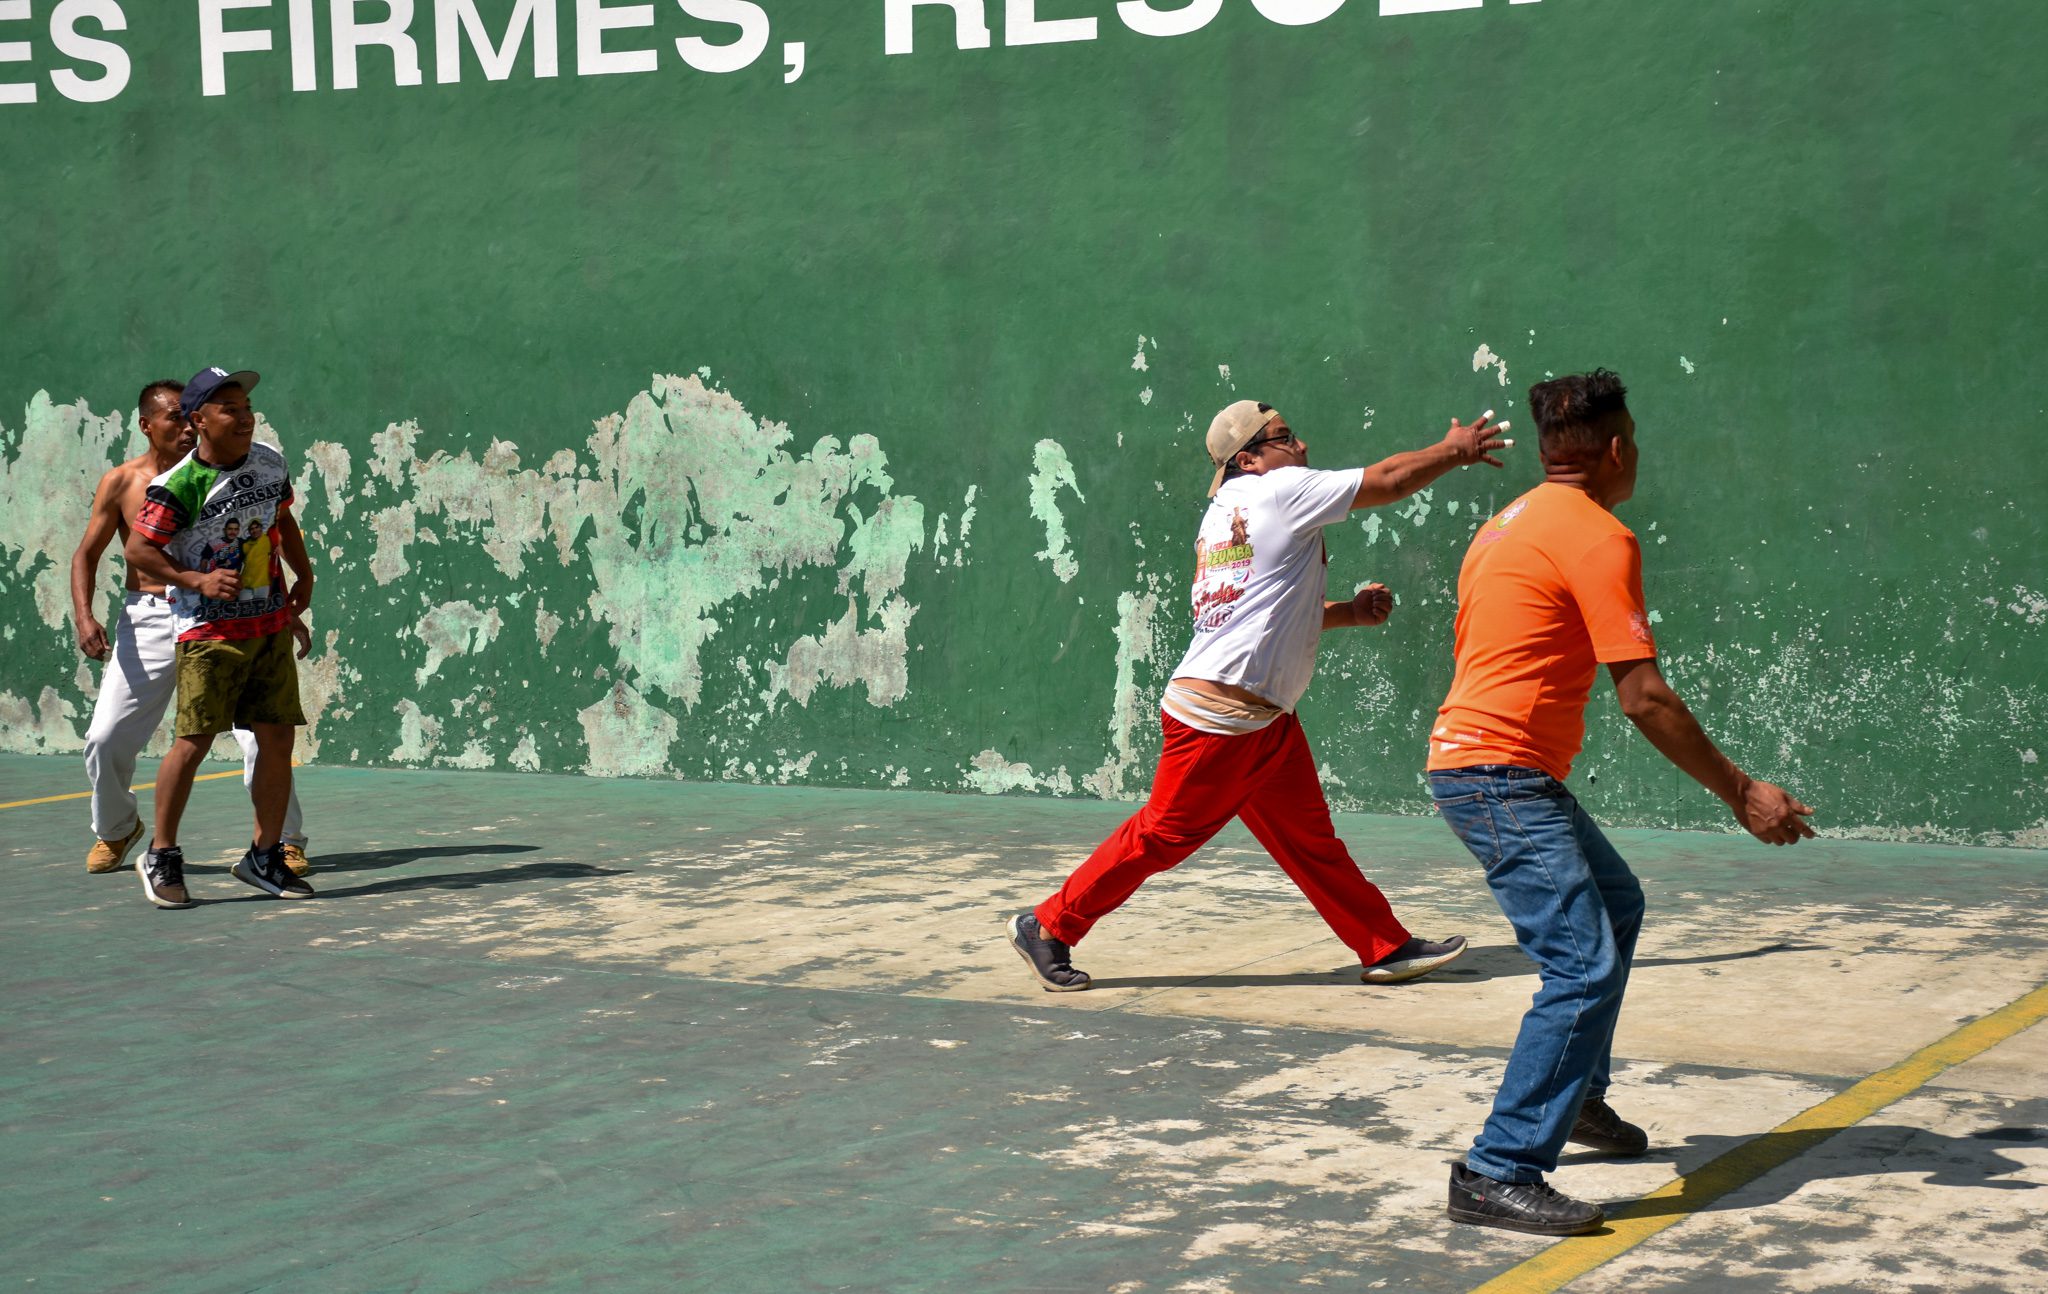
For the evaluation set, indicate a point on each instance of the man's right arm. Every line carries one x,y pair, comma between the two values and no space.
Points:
101,526
1395,478
1768,812
156,564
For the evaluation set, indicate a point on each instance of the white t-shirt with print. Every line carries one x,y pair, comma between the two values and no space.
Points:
1260,575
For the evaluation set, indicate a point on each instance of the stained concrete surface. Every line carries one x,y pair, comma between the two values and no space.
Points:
548,1032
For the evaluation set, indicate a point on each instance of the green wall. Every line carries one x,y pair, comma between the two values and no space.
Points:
847,431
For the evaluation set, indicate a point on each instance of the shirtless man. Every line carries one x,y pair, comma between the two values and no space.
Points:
139,681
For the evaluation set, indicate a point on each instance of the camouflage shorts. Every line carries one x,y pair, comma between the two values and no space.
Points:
234,683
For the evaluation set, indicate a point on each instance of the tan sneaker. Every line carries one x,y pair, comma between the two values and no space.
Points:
295,858
109,855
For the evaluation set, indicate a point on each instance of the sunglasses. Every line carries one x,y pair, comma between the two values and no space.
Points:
1284,438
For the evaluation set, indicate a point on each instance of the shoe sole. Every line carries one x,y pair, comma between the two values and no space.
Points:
256,881
1530,1228
1017,942
1414,968
120,854
151,894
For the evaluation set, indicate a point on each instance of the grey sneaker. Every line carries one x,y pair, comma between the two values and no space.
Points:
1414,959
269,872
163,877
1599,1127
1051,961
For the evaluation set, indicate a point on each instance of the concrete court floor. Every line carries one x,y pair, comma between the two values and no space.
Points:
552,1033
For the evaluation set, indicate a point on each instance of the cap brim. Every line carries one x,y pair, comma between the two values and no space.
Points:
245,378
1217,483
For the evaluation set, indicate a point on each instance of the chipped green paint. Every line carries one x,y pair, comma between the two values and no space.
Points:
918,511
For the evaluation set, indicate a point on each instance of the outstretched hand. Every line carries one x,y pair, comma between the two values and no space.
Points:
1772,815
1475,443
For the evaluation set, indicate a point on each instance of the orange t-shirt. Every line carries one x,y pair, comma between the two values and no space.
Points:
1551,589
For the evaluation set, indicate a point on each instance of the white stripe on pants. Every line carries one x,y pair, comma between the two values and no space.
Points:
136,688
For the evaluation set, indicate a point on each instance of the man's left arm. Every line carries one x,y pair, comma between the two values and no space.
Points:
292,545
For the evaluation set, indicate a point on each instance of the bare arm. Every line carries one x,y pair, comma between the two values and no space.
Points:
156,564
1396,478
1768,812
292,543
100,528
1371,605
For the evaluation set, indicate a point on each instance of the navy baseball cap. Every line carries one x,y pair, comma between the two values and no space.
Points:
208,380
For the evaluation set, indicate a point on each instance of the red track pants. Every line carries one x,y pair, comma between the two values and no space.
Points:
1268,778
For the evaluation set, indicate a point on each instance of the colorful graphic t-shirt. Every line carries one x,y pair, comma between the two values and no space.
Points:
1551,589
1260,573
223,518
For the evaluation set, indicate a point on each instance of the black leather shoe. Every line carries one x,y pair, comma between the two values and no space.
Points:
1519,1206
1600,1128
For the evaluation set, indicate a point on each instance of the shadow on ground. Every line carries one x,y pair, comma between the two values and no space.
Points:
1479,964
522,874
1781,1163
377,859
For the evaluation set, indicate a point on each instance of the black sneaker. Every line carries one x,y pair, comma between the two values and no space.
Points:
267,871
1599,1127
163,877
1416,958
1050,960
1519,1206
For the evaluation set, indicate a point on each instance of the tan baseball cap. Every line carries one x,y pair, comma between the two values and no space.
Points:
1231,430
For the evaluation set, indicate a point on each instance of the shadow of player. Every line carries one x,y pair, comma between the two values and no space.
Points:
1479,964
371,860
1783,1162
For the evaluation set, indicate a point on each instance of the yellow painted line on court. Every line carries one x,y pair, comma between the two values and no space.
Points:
87,795
1635,1222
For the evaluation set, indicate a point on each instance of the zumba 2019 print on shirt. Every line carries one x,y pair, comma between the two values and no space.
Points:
210,518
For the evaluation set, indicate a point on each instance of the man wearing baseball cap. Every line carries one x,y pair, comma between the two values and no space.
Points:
1232,745
234,659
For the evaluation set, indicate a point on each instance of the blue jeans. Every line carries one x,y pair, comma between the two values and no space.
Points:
1575,907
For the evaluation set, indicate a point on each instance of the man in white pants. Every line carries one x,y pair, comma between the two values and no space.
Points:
140,679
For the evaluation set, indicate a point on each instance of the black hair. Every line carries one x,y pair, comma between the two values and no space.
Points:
1577,415
169,386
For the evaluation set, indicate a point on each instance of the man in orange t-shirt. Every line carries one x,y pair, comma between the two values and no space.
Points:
1551,589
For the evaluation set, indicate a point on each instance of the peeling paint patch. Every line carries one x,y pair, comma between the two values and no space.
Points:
320,686
1484,358
526,756
454,629
626,736
847,654
47,476
45,727
474,756
1052,472
331,461
1134,705
993,775
418,733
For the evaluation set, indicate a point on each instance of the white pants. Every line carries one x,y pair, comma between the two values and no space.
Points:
137,686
